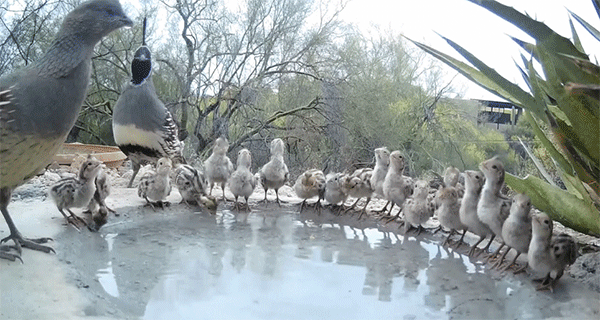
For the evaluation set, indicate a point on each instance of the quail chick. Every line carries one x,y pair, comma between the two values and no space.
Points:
516,230
274,174
448,212
417,210
142,126
397,187
548,255
492,207
242,182
76,192
218,167
103,186
191,183
310,184
468,208
155,187
39,105
359,186
335,193
382,162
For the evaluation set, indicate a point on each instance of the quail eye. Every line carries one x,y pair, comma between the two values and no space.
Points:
546,222
494,167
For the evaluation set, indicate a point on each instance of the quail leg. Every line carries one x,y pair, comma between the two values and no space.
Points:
136,169
472,250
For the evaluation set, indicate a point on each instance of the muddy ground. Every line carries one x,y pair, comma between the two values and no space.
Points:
272,263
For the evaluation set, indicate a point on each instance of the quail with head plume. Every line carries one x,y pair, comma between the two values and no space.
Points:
549,255
142,126
242,182
218,166
40,103
274,174
76,192
155,187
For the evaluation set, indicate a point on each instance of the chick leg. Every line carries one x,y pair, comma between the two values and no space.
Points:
512,262
452,231
15,235
475,246
352,206
460,241
303,205
499,262
223,188
493,255
487,246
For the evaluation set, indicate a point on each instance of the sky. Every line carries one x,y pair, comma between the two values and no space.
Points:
476,29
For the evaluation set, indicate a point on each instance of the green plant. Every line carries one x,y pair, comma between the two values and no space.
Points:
563,108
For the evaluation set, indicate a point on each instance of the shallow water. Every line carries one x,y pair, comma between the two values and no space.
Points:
284,265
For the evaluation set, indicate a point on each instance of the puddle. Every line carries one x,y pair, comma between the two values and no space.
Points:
282,265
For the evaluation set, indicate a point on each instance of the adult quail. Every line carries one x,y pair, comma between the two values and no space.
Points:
143,128
40,103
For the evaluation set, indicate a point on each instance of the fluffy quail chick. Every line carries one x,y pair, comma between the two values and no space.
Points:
382,163
310,184
155,187
492,207
242,182
451,177
76,192
103,186
417,210
274,174
359,186
448,212
397,187
218,167
334,191
516,231
549,255
468,208
191,184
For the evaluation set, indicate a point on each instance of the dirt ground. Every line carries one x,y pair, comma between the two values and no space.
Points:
140,265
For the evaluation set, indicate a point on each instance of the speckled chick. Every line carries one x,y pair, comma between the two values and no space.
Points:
155,187
548,256
310,184
492,207
218,167
76,192
191,183
274,174
417,210
516,231
103,186
242,182
468,207
359,186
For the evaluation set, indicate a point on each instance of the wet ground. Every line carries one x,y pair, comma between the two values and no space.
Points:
272,263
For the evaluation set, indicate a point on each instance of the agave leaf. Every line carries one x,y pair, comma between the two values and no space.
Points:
593,31
585,65
475,75
543,35
560,205
527,100
538,163
554,153
584,124
576,40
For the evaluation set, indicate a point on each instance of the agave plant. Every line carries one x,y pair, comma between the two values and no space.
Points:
563,107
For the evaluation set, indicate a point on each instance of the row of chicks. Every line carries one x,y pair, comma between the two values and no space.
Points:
477,206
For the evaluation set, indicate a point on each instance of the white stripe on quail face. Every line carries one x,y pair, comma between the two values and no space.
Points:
130,134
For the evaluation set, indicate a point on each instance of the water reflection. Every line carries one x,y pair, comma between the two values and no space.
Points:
283,265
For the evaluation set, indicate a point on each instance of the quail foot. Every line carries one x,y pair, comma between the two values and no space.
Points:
218,167
40,103
242,182
76,192
549,255
274,174
144,139
310,184
156,186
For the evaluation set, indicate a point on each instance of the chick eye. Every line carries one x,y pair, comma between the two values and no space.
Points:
546,222
494,167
